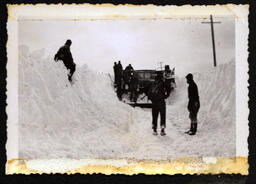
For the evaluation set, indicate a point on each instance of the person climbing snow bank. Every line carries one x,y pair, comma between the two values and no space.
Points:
65,55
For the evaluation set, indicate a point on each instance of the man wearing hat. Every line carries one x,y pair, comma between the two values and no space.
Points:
157,94
65,55
193,104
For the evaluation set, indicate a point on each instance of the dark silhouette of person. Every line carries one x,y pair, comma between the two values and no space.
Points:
119,68
157,94
134,88
173,83
193,104
127,78
168,79
65,55
119,79
129,69
115,72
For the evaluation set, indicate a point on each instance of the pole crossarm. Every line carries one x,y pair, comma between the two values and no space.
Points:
210,22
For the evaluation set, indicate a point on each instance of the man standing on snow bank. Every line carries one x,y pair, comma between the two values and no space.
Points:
65,55
193,103
157,94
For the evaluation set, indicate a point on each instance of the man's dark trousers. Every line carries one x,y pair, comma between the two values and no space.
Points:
158,108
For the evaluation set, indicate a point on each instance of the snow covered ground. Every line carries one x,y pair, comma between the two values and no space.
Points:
85,119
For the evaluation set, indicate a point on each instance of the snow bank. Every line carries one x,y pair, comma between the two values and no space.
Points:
86,120
59,115
216,118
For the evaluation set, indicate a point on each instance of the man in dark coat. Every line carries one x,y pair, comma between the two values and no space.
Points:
119,72
119,80
119,68
129,69
127,79
127,74
115,72
134,85
157,94
168,77
193,103
65,55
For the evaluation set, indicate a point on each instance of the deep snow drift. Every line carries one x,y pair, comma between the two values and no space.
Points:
85,119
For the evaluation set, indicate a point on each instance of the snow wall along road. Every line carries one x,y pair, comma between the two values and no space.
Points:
86,120
216,134
57,119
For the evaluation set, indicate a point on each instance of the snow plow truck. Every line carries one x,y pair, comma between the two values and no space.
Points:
136,84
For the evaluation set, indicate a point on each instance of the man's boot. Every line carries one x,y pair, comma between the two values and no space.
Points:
154,132
69,78
194,128
190,130
163,132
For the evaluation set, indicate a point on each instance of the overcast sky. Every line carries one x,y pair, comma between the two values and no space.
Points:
184,44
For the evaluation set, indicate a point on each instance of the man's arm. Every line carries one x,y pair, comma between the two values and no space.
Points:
196,93
57,55
165,91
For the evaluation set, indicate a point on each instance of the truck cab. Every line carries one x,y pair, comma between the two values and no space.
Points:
145,79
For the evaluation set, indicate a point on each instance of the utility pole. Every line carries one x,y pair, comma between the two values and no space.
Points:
213,41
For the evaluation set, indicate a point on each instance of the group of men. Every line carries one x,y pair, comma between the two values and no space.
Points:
125,80
118,73
159,92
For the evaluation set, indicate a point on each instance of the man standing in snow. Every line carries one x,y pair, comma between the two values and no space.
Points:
193,103
134,85
119,78
168,77
157,94
115,72
119,68
65,55
129,69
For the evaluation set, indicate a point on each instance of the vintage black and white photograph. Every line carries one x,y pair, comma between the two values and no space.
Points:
150,89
